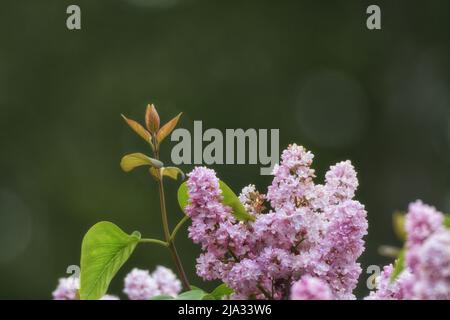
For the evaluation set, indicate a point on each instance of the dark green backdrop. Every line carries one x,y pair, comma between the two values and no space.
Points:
309,68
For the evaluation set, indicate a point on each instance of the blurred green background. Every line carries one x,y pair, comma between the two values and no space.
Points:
309,68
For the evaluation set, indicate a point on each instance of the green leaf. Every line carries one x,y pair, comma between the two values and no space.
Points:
183,196
104,250
152,119
167,129
221,291
399,265
447,221
144,134
398,220
196,288
195,294
229,199
133,160
173,172
162,297
154,173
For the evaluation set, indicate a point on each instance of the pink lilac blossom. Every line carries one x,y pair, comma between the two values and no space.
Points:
244,277
310,288
312,230
432,274
167,281
340,248
391,290
293,179
341,182
67,289
427,265
140,285
421,221
211,220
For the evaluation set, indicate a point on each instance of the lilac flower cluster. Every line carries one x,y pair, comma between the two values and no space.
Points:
67,289
427,264
312,230
139,285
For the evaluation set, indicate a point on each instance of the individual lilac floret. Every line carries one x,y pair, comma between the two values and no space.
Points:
341,182
167,281
310,288
140,285
67,289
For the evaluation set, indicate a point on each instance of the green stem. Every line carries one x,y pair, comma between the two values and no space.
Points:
177,227
167,236
162,202
169,241
155,241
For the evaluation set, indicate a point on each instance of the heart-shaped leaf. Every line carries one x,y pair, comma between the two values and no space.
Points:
104,250
131,161
167,129
229,198
140,130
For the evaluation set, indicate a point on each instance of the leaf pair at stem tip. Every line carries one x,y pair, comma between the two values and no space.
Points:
153,135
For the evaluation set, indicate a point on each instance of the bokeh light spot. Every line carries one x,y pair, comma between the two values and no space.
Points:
332,110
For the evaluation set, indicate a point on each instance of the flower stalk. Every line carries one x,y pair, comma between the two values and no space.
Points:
153,134
169,240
